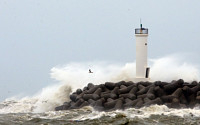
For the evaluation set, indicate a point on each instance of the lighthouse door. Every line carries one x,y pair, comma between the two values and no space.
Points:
147,72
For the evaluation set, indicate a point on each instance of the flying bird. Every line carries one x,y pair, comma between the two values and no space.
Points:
90,71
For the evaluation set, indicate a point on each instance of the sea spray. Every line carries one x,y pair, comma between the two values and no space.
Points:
51,97
75,75
46,100
173,68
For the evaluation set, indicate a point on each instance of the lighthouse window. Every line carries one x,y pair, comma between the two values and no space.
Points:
145,43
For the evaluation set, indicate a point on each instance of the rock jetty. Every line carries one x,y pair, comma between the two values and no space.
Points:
122,95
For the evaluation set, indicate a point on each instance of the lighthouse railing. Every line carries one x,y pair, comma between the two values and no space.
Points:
141,31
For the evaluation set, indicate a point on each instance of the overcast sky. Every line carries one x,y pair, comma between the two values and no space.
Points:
37,35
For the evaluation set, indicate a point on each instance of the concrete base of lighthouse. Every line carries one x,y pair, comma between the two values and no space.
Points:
142,80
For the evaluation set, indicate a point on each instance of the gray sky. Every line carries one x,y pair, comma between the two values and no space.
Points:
37,35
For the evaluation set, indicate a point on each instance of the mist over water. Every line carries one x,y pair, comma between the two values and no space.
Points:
75,75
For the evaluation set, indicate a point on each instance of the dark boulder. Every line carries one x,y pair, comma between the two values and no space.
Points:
108,95
157,101
115,90
91,96
120,83
139,103
98,91
171,87
110,104
145,83
90,85
78,91
85,103
129,83
159,91
109,85
133,90
125,90
119,104
177,93
92,89
128,95
73,97
59,108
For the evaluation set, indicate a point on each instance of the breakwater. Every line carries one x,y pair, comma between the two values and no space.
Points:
122,95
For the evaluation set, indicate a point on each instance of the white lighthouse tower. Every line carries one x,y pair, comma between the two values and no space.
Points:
142,69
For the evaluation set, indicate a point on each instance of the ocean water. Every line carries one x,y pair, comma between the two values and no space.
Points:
39,108
152,115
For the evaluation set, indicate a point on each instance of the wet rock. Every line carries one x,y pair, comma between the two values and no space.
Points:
92,89
129,83
145,83
182,105
140,86
159,91
73,97
122,87
146,100
115,90
142,91
110,85
112,96
169,88
187,90
91,96
127,100
157,101
132,103
167,98
195,89
110,104
91,102
66,105
125,89
195,83
198,93
120,83
175,103
177,93
79,96
142,96
98,91
77,104
78,91
133,90
85,88
183,100
151,90
160,84
90,85
119,104
128,95
139,103
109,99
108,95
99,104
85,103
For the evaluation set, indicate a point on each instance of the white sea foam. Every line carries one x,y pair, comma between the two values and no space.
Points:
75,75
144,112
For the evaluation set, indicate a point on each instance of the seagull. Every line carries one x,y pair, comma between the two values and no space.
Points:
90,71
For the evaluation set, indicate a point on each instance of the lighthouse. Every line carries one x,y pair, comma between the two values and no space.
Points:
142,69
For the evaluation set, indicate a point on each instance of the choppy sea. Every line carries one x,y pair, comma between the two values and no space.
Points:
152,115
